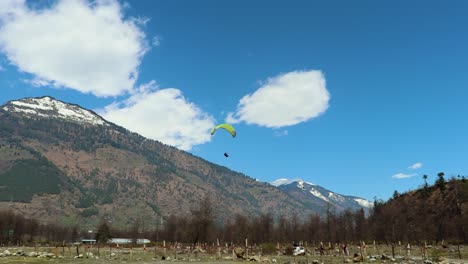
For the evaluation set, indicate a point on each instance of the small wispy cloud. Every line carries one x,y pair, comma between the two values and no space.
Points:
141,20
403,175
280,133
415,166
37,82
156,41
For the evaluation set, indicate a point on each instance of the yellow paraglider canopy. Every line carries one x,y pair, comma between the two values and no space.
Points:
227,127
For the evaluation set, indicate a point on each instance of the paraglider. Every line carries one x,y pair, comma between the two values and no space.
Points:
229,128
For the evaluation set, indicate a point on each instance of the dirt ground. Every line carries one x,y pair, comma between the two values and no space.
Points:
380,254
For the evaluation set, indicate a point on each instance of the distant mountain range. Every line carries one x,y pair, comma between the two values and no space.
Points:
320,196
60,162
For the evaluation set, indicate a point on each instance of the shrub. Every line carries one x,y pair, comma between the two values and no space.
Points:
268,248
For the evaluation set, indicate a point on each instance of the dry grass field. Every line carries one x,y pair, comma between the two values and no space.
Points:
106,255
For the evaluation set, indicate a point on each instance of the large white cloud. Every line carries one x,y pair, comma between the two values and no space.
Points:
83,45
284,100
163,115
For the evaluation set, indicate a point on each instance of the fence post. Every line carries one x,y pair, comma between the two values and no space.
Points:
459,252
360,249
393,249
246,248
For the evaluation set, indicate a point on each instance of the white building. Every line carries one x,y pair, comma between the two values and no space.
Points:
128,241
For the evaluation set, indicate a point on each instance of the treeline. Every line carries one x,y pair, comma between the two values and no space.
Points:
431,214
16,229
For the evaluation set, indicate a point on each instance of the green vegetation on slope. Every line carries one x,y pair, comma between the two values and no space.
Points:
28,177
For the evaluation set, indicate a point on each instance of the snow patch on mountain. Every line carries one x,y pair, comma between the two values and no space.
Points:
43,103
336,197
284,181
364,203
280,182
318,194
50,108
300,185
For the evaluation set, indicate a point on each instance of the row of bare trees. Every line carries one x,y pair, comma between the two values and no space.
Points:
431,213
16,229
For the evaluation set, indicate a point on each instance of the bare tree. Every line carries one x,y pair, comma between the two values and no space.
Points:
202,221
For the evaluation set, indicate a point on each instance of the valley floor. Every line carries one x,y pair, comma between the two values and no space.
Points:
67,255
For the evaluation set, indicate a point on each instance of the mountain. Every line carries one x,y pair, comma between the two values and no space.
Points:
48,107
314,196
62,163
433,213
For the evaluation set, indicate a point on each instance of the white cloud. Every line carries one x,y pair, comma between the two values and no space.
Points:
156,41
284,100
9,8
142,21
36,82
403,175
163,115
84,45
280,133
415,166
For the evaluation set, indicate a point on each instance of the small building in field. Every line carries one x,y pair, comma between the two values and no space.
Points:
123,241
88,241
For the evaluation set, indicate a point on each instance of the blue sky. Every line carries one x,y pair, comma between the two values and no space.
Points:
360,97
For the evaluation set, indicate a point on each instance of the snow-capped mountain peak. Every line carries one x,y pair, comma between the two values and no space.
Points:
48,107
315,194
284,181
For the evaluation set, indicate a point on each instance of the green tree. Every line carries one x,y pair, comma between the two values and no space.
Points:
425,180
440,182
426,186
103,233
